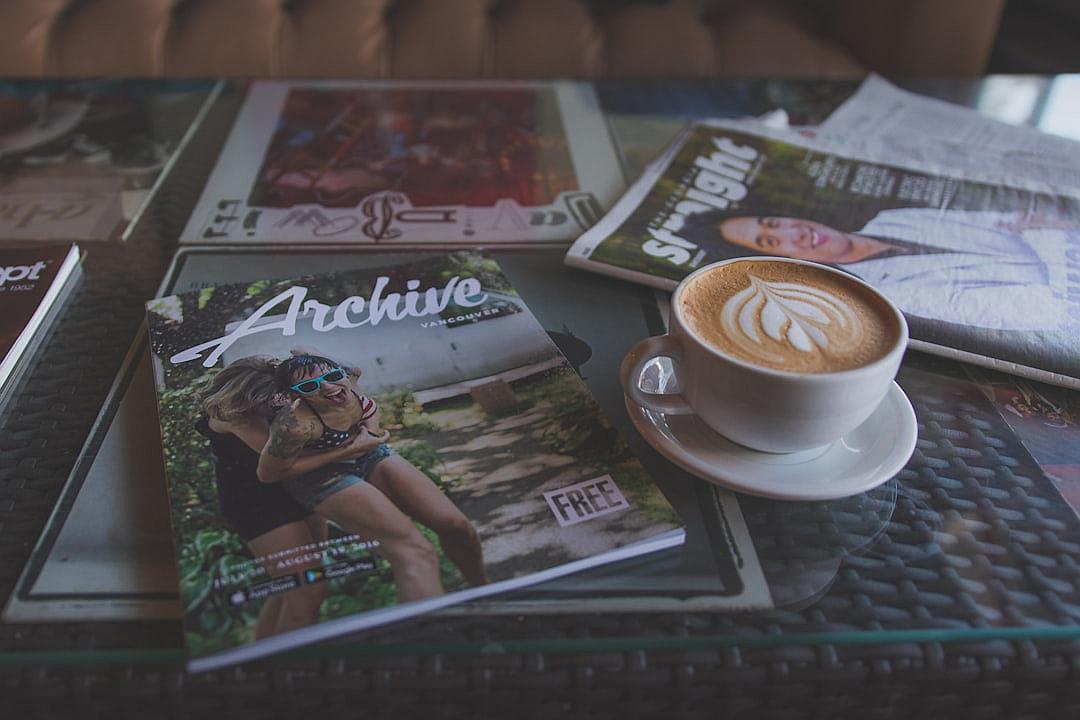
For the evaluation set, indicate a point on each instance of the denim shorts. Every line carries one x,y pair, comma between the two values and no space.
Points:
311,489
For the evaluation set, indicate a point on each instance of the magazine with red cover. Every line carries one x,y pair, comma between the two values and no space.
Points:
433,163
31,281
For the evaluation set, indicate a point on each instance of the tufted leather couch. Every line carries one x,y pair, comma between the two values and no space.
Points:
495,38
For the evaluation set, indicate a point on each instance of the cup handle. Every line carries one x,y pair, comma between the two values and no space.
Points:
634,363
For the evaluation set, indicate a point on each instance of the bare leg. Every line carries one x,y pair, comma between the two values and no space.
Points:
362,509
266,623
418,497
317,526
297,608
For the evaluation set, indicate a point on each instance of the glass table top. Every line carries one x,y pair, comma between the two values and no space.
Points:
976,539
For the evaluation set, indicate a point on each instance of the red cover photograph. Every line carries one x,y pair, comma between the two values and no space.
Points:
425,163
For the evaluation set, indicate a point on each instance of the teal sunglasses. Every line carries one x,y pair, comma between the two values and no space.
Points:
307,387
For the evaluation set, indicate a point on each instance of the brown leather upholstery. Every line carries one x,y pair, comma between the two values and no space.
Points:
495,38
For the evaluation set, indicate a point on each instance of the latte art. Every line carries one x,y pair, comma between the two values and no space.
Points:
788,316
797,316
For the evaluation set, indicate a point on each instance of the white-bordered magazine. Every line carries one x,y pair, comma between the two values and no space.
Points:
409,162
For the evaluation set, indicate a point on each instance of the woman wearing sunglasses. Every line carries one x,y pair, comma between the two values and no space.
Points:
238,403
378,493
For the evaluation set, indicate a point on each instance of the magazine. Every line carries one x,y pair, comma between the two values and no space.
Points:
1046,419
421,163
80,160
32,281
496,454
106,552
984,273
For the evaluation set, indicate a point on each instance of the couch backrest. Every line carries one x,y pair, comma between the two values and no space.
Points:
495,38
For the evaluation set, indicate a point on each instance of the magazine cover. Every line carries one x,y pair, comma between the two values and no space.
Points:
346,450
427,163
985,273
80,159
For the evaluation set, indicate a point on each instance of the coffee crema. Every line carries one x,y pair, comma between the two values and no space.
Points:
789,316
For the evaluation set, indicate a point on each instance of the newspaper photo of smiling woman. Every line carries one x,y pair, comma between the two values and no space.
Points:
346,450
986,273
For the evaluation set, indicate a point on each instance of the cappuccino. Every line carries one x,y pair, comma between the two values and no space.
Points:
788,316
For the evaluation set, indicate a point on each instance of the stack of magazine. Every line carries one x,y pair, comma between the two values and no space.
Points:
347,444
452,451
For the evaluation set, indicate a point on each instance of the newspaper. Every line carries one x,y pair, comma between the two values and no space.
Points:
984,272
883,122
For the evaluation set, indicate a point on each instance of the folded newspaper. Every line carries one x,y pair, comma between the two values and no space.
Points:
986,273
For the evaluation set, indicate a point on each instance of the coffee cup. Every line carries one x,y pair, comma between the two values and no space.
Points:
776,354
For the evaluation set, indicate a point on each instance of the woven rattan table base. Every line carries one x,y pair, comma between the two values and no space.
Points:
929,681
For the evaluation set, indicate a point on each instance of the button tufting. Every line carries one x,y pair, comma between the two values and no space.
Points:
479,38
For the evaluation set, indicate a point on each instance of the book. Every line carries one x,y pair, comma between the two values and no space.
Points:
324,162
81,159
32,281
489,424
985,273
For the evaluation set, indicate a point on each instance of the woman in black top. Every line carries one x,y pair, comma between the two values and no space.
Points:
379,494
239,403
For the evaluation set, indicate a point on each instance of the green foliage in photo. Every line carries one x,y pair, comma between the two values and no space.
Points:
211,622
209,549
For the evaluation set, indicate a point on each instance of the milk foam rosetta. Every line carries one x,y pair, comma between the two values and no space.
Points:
797,316
789,317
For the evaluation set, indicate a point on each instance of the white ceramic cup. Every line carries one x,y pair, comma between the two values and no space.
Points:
764,409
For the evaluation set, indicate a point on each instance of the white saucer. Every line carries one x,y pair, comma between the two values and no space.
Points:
861,460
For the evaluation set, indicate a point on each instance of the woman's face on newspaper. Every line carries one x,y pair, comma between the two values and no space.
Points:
790,237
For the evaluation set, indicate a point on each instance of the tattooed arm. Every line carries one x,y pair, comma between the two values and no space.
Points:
281,456
256,432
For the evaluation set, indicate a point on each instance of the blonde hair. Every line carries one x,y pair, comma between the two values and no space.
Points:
242,388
